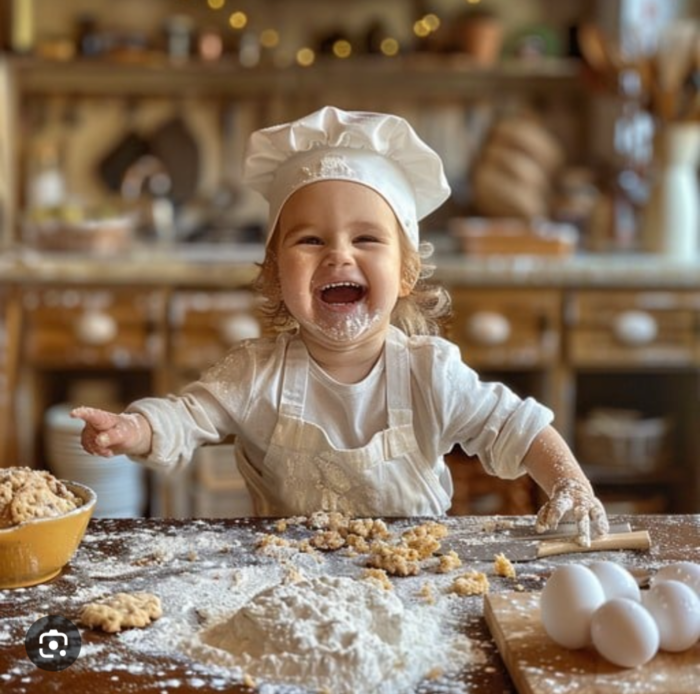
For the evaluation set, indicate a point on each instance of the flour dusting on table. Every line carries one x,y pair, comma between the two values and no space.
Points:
223,581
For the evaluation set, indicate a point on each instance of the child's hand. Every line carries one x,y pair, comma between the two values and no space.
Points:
574,499
106,434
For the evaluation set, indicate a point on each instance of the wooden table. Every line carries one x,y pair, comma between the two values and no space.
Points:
148,554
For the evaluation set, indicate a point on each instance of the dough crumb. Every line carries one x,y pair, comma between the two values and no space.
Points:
502,566
449,562
379,577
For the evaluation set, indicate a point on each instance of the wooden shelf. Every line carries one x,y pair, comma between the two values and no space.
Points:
454,76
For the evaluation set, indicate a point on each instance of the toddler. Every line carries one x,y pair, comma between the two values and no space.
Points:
353,401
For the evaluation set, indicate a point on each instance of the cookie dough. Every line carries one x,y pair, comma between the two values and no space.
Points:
122,611
26,494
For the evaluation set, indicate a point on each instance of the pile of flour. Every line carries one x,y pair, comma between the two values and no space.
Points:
335,633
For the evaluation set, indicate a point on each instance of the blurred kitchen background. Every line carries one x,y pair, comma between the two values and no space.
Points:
570,132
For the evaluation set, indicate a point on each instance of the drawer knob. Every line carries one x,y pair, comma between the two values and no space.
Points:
239,327
635,328
95,328
488,328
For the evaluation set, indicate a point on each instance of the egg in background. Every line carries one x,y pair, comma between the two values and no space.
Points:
616,581
684,571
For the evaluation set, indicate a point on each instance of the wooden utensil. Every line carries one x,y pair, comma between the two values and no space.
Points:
529,550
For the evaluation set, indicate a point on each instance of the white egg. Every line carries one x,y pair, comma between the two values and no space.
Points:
617,582
684,571
568,600
676,610
624,632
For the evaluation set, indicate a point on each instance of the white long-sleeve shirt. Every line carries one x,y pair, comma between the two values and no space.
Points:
240,395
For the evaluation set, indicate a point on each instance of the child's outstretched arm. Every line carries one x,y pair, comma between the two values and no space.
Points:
551,463
107,434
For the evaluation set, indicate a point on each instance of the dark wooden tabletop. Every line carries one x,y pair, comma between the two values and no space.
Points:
153,555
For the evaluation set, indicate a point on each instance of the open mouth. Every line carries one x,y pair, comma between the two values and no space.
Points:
342,293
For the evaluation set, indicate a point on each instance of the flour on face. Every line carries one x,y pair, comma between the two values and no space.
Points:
345,327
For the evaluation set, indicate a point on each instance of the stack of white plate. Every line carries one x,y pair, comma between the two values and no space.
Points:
120,484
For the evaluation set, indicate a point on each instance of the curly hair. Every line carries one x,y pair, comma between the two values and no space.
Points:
424,311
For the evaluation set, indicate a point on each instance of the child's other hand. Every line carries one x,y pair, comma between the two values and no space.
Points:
106,434
575,500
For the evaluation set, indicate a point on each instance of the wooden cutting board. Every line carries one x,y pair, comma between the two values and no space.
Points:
539,666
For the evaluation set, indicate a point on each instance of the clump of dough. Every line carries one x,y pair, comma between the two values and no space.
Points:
471,583
397,560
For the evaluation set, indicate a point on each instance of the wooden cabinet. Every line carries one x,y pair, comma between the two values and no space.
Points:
93,327
632,361
203,325
507,329
578,350
631,355
647,329
514,337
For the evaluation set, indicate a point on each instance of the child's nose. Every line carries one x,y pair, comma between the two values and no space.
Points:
339,254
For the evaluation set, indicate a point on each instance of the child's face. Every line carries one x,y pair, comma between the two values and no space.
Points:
339,260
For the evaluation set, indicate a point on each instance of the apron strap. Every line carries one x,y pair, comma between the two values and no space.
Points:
397,368
294,380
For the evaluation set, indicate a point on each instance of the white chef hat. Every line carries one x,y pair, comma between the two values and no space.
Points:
378,150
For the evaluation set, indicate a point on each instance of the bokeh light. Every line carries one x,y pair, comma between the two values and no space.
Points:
389,47
342,48
238,20
305,57
269,38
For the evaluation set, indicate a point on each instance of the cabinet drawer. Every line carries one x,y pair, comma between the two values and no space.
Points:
93,327
507,328
633,328
205,324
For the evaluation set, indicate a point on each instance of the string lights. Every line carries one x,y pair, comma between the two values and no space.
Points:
270,37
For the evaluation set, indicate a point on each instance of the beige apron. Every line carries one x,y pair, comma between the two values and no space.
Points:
303,472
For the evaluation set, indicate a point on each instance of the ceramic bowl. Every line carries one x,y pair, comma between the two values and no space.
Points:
35,551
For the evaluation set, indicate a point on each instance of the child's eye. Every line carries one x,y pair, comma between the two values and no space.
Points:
309,240
366,238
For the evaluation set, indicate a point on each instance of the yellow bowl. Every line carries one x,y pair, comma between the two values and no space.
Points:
35,551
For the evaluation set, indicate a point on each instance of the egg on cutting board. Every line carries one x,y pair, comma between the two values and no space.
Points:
676,610
616,581
684,571
568,600
624,632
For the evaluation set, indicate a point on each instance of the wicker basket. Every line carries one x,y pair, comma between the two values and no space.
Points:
623,439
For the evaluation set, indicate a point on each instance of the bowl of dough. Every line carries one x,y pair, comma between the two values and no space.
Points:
42,523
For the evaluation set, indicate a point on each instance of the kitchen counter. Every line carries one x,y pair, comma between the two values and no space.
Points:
234,265
198,567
